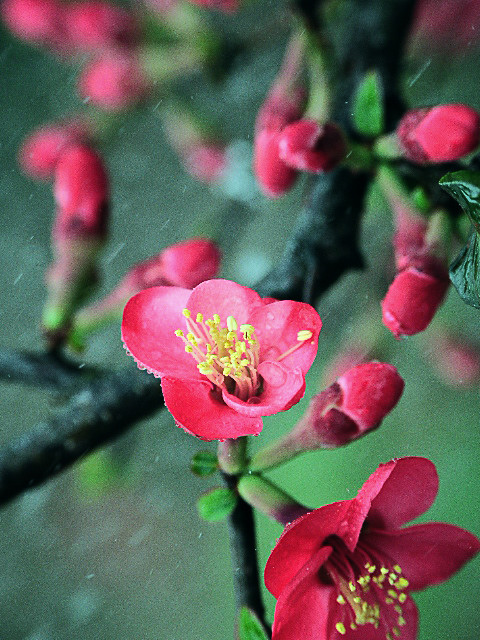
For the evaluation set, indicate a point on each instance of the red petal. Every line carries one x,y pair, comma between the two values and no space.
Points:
148,330
226,298
400,491
299,542
303,608
280,387
276,327
427,553
199,410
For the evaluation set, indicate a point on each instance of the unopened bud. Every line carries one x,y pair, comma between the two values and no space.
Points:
41,150
412,300
33,20
113,82
455,360
95,25
306,145
439,134
81,193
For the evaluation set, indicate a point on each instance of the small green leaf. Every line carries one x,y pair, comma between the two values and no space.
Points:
464,186
216,504
249,626
368,115
204,464
465,272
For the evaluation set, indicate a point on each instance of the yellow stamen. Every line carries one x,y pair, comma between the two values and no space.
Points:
340,627
187,313
303,335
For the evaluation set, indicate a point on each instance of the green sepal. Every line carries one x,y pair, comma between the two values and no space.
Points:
368,110
216,504
204,464
249,626
464,271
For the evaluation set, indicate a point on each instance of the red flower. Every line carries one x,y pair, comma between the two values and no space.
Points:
95,25
439,134
346,570
310,146
34,20
226,358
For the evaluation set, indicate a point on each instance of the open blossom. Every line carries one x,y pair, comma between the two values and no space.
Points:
226,358
346,570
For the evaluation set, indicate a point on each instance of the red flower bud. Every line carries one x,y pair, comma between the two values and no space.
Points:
455,360
33,20
113,82
412,300
206,161
188,263
97,25
439,134
81,193
309,146
40,152
448,25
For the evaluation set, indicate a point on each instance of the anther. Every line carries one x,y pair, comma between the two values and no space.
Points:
187,313
199,317
231,323
303,335
340,627
179,333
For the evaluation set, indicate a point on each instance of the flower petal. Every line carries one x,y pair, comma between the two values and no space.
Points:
299,541
149,322
281,387
427,553
276,327
303,607
199,410
226,298
400,491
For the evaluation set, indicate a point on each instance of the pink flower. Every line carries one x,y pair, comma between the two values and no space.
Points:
95,25
346,570
206,161
81,193
187,264
113,82
226,358
310,146
439,134
41,150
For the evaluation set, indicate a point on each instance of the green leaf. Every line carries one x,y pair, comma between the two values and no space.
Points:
465,272
204,464
216,504
249,626
464,186
368,115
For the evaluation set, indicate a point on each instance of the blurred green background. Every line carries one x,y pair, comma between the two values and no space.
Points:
126,556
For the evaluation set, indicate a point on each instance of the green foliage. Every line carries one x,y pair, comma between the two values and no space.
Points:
368,112
249,626
464,186
204,464
216,504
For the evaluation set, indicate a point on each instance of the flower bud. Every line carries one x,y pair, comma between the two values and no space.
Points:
33,20
96,25
113,82
81,193
449,26
206,162
348,409
309,146
439,134
41,150
455,360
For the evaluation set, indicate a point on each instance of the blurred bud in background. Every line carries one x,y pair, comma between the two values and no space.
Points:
309,146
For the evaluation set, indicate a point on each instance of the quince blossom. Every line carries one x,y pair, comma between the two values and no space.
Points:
225,356
345,571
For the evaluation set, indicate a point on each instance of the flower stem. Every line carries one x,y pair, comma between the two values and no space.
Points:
232,455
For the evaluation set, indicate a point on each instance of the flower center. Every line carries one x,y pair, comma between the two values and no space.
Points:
228,355
370,591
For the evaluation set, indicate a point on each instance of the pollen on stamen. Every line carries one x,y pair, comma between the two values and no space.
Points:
340,627
340,599
179,333
303,335
186,313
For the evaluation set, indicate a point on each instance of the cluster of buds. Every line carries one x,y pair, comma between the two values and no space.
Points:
184,264
437,134
113,77
287,140
349,408
421,281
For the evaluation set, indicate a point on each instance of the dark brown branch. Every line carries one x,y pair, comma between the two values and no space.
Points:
98,413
